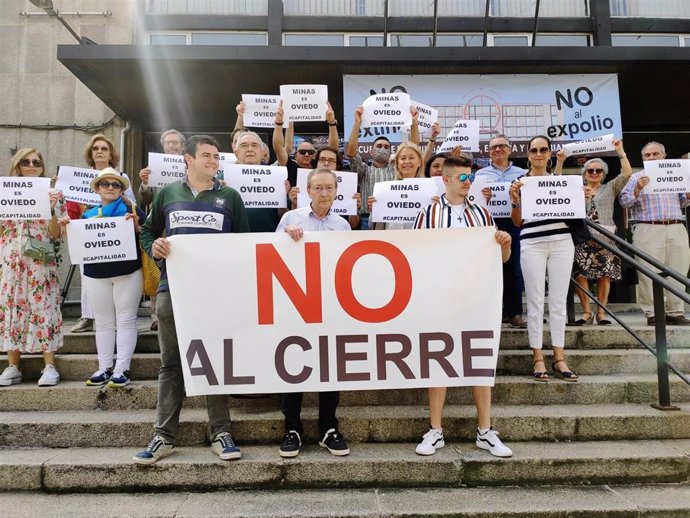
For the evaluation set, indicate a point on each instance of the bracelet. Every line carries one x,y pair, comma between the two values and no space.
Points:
515,205
335,123
278,123
622,156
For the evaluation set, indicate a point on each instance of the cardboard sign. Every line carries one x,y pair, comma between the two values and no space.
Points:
74,183
101,240
465,133
165,169
336,310
400,201
590,146
260,110
387,110
552,197
667,176
304,102
24,197
344,203
260,186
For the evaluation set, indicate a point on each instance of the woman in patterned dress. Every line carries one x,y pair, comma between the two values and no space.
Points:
30,317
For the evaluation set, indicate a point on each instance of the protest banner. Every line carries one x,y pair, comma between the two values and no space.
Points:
344,203
499,204
387,110
399,201
24,197
74,183
260,110
259,186
427,117
101,240
465,133
552,197
667,176
590,146
304,102
165,169
336,310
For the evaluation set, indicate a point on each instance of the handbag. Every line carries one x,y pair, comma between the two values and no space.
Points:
151,273
42,251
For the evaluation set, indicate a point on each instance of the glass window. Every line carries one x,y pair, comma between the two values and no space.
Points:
644,40
168,39
511,41
459,40
365,41
562,40
410,40
687,42
315,40
650,8
224,38
238,7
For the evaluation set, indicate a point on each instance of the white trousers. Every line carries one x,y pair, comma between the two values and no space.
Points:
536,260
115,303
86,309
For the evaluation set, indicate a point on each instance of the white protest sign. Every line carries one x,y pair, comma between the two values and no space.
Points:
260,110
226,159
440,186
499,204
24,197
304,102
590,146
165,169
667,176
552,197
336,310
74,182
425,120
101,240
387,110
259,186
344,203
399,201
465,133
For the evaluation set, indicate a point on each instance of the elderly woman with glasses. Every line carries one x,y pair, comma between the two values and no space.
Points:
593,262
30,318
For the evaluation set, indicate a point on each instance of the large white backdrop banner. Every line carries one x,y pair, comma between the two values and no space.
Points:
566,107
337,310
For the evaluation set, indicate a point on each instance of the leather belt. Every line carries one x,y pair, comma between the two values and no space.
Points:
663,222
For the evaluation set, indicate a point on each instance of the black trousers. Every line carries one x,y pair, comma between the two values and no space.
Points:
512,274
292,407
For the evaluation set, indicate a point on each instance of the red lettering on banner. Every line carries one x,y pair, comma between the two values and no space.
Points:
269,264
343,281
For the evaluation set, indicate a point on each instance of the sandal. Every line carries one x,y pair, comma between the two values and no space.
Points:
602,320
540,375
585,321
564,375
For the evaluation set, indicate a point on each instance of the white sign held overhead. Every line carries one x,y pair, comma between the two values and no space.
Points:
344,203
165,169
74,183
590,146
304,103
260,110
387,110
24,197
260,186
399,201
426,119
552,197
101,240
667,176
465,133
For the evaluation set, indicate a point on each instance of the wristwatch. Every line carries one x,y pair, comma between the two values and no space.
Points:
515,205
335,123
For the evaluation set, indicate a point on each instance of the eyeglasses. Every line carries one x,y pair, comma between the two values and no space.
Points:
498,146
309,152
100,148
321,188
25,162
249,145
464,177
540,150
594,171
327,161
114,185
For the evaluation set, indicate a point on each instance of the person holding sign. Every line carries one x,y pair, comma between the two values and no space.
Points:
546,246
660,232
454,210
592,262
114,288
198,204
30,318
322,187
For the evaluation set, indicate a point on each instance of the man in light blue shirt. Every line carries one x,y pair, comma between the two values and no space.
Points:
503,170
322,188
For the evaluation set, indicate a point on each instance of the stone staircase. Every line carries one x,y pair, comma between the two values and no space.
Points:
592,448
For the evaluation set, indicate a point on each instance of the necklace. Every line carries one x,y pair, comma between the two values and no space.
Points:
458,214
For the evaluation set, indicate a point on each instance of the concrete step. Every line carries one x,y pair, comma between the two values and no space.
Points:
88,470
509,390
364,424
599,501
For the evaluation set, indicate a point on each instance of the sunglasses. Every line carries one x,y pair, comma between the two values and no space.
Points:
464,177
594,171
540,150
25,162
100,148
114,185
309,152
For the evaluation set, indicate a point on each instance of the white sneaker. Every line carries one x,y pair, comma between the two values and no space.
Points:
490,441
50,377
10,376
431,441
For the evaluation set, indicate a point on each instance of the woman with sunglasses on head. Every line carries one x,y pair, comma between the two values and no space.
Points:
114,288
546,247
593,262
30,318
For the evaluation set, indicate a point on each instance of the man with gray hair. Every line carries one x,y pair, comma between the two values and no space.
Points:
173,144
659,231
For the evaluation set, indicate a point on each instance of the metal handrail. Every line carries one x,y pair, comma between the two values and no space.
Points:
660,283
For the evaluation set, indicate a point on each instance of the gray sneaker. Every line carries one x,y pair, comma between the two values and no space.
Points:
82,325
50,377
10,376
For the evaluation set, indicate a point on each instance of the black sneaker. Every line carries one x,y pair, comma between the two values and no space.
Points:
291,444
334,442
